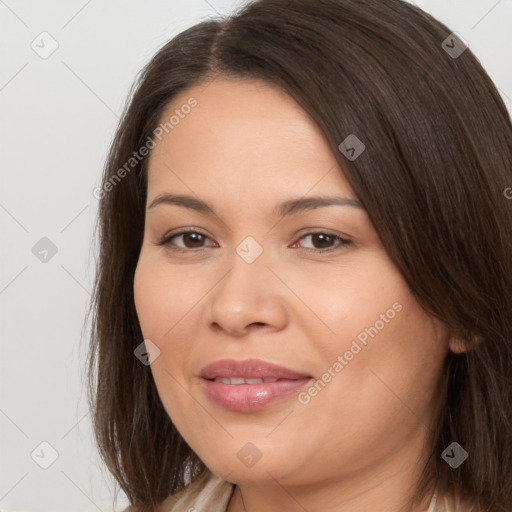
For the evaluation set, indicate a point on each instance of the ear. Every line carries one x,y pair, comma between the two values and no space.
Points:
460,344
457,345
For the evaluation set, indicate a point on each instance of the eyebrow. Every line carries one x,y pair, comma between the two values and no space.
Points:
289,207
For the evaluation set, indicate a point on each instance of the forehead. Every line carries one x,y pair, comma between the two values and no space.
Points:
241,136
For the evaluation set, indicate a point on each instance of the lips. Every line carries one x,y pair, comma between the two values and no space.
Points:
250,385
240,380
249,369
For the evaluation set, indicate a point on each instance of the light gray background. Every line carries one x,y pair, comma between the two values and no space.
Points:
58,117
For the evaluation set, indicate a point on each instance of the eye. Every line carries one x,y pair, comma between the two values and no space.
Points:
322,241
191,240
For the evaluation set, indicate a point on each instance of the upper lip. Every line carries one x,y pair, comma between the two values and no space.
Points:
249,369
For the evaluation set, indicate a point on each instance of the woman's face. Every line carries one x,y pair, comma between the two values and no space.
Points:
254,282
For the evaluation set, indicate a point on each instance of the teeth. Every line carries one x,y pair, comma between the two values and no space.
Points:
252,381
224,381
239,380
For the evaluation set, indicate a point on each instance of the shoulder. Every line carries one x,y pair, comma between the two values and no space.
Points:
207,492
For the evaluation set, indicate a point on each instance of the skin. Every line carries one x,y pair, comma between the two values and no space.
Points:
359,444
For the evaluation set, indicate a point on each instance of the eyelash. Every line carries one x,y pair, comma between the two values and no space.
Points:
165,241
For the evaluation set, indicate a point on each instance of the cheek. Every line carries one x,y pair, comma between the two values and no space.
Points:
391,357
162,313
150,301
168,304
351,301
162,298
388,379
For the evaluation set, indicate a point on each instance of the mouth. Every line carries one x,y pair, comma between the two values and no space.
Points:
251,384
237,381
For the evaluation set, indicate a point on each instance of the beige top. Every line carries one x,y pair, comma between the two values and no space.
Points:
209,493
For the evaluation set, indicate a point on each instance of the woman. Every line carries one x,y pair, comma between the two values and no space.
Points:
304,292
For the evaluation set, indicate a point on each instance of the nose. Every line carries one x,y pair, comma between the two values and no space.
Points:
249,297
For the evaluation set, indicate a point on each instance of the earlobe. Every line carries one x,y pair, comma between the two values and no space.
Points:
457,345
460,344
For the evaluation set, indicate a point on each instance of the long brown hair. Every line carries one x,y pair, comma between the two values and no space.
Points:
438,159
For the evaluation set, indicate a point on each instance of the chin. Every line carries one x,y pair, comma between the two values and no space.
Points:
247,465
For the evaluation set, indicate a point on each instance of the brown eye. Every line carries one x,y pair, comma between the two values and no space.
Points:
323,242
189,240
192,239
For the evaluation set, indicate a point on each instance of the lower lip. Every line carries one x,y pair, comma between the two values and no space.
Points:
251,397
